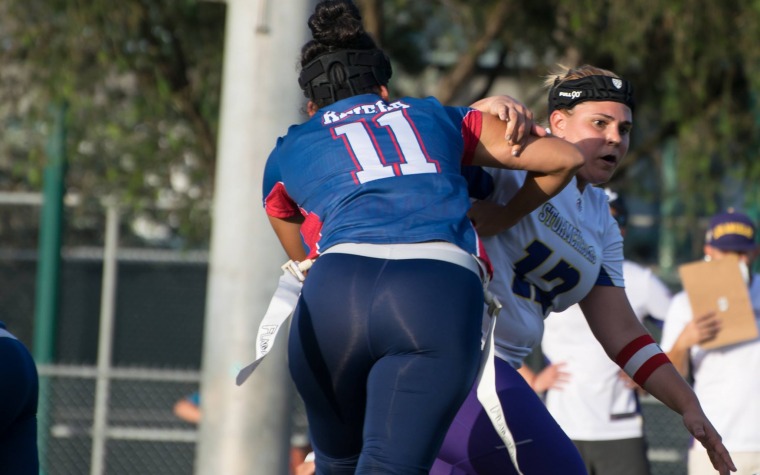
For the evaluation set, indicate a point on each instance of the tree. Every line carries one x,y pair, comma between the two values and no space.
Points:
694,68
142,82
696,77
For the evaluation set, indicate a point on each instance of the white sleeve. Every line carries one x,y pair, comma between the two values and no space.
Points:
611,272
658,297
678,316
648,295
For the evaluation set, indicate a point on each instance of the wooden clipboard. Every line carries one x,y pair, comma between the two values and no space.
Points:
718,285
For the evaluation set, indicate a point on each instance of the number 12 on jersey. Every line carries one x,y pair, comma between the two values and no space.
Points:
565,275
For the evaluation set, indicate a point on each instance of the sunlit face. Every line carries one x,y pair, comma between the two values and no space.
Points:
602,131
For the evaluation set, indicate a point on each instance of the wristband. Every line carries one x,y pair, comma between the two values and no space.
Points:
640,358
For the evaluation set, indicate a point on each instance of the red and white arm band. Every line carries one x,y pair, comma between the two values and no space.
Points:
640,358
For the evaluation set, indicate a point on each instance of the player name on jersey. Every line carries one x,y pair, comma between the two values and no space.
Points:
552,219
330,117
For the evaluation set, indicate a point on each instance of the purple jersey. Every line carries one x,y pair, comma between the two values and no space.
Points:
365,170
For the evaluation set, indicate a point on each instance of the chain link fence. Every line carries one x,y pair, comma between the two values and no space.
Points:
120,421
141,436
158,332
667,438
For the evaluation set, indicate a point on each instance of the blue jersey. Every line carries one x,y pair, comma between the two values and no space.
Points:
548,261
364,170
19,392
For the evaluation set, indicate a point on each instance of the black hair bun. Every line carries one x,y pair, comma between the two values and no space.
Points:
338,24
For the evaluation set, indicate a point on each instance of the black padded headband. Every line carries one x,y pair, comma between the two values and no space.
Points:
341,74
566,94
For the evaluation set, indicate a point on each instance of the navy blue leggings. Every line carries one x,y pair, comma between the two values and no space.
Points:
472,446
19,390
383,352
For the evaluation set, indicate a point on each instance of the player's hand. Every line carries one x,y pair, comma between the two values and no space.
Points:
306,468
518,117
552,377
700,427
702,328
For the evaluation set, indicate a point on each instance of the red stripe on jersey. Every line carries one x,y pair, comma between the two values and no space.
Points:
471,128
631,348
311,231
278,204
483,255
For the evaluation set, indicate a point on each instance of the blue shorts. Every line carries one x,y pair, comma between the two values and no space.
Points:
19,391
383,353
473,447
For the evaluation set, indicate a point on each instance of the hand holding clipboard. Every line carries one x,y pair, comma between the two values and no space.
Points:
718,286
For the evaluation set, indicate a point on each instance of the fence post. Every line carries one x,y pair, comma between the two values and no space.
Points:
48,268
667,242
105,340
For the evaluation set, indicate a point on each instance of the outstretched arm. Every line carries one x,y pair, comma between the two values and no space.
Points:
614,324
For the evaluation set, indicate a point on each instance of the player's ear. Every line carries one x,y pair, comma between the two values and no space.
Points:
558,122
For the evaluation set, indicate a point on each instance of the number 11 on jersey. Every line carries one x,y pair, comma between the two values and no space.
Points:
369,157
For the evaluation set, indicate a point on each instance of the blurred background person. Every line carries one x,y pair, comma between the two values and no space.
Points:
726,379
188,408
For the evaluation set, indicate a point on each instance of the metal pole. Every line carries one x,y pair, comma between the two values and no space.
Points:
245,430
48,268
105,341
667,244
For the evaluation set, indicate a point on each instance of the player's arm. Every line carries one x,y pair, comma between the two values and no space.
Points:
491,218
626,341
187,410
288,231
552,376
516,118
551,163
548,155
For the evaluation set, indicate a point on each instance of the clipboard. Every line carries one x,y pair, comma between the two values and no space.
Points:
718,285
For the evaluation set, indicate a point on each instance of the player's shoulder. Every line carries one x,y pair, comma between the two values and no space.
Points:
430,100
425,103
597,198
596,213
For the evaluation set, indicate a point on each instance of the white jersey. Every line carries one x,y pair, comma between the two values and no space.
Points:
549,260
726,380
595,404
